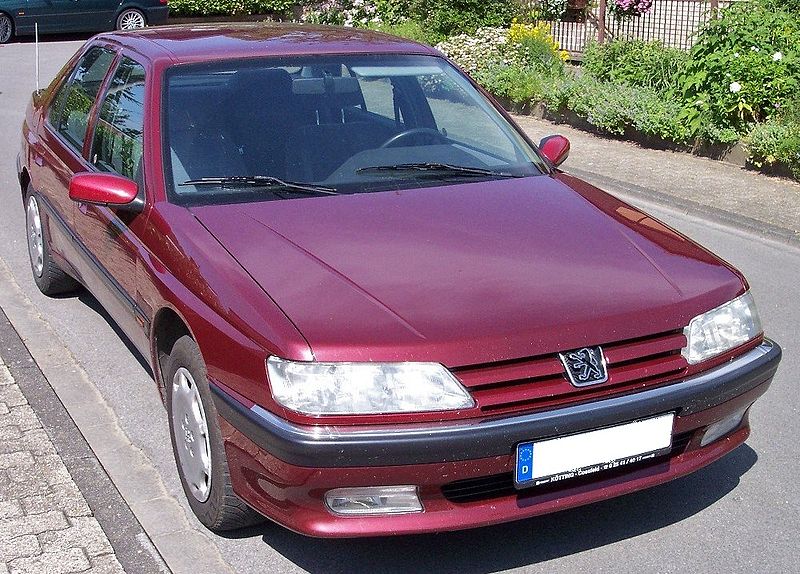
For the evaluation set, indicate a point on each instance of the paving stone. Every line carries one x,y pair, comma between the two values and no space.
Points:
52,468
3,568
83,533
11,396
20,547
4,409
22,417
107,564
5,376
65,496
10,508
21,484
67,562
9,433
32,524
12,460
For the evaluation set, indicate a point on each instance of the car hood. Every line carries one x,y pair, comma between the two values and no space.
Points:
472,273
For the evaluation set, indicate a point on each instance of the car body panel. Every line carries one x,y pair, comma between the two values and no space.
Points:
458,247
485,275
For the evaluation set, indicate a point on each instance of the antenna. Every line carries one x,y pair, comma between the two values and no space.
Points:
37,56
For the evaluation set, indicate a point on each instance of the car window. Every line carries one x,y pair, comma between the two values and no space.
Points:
356,124
117,143
70,111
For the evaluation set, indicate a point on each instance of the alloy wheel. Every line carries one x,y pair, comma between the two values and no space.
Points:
6,28
131,20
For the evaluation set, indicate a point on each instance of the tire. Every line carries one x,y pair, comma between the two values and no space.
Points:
131,19
48,276
6,28
197,443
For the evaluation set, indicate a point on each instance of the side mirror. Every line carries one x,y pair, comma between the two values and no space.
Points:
106,189
555,148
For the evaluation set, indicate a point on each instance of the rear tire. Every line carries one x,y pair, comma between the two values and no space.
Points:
6,28
131,19
197,443
48,276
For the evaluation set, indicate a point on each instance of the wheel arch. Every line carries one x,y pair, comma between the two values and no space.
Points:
24,182
168,326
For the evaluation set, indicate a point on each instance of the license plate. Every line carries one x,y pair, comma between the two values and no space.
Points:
562,458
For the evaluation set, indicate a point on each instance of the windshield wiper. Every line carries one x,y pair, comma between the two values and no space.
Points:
260,181
436,167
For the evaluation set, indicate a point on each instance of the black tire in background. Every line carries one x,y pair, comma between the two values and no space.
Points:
189,400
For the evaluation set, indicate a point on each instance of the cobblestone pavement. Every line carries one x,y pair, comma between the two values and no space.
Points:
46,527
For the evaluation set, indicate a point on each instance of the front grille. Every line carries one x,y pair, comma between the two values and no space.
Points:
540,382
499,485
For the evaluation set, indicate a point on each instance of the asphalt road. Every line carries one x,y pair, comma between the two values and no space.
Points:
741,514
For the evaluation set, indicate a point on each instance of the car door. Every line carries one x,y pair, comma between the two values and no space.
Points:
53,15
57,148
112,235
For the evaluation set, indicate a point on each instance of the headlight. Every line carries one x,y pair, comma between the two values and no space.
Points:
721,329
365,388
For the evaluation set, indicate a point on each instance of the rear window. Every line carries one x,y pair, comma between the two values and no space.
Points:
346,123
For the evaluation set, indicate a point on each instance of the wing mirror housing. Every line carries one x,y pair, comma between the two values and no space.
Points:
106,189
555,148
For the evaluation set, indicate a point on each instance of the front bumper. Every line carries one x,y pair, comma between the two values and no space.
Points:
283,469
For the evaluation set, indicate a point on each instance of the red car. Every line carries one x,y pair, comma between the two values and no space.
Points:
371,304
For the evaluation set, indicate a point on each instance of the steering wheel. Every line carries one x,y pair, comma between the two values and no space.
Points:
430,132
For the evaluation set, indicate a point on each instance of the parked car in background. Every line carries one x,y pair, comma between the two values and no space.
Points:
372,306
19,17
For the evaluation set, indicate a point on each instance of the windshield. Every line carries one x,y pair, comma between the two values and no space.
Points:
352,124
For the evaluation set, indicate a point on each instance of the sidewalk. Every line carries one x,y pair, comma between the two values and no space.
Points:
46,526
765,205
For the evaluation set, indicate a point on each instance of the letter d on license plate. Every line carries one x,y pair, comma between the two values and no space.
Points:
560,458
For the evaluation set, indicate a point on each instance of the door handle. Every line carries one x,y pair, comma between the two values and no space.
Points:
39,160
83,208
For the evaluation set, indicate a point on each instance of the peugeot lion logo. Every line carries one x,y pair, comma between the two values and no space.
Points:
585,366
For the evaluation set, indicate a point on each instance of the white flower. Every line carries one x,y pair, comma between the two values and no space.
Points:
736,54
754,49
777,57
735,87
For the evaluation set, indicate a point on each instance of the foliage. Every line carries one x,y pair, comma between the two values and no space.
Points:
448,17
636,63
615,107
228,7
628,8
341,13
410,29
778,139
525,46
744,67
472,52
550,9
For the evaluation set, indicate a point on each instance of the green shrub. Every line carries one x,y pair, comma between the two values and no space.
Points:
410,29
745,65
778,139
615,107
449,17
228,7
636,63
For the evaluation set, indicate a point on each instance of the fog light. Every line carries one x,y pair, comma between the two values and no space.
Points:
723,427
375,500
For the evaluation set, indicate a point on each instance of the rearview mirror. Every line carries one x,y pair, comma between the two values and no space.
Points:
106,189
555,148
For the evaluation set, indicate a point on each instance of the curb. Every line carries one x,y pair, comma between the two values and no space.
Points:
132,547
689,207
165,525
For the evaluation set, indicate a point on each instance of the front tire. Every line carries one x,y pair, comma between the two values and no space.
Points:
131,19
197,442
6,28
48,276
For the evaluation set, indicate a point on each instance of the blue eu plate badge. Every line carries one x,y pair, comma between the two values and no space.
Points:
525,462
